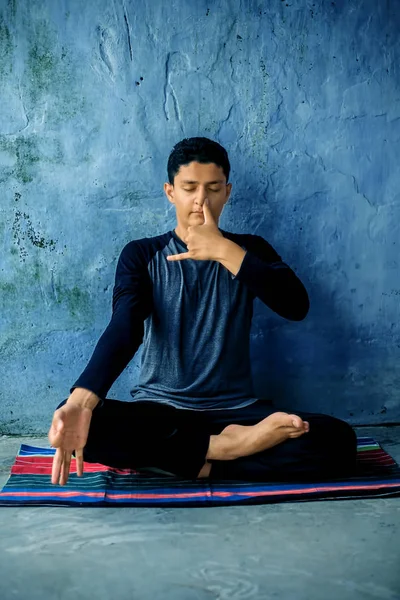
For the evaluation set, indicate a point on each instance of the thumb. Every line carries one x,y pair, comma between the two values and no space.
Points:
59,425
56,431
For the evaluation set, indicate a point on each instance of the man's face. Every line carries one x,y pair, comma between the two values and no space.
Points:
192,185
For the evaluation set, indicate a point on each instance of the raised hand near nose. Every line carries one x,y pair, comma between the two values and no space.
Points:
202,240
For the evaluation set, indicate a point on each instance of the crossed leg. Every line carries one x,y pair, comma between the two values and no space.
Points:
234,444
326,450
236,441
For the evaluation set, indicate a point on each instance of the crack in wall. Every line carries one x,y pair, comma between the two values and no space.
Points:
169,90
128,33
166,83
104,52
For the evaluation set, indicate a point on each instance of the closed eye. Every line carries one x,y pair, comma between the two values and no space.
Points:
210,189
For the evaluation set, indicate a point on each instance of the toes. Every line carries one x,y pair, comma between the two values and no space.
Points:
305,428
296,421
296,434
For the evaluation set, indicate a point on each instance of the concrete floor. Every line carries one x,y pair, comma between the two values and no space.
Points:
343,550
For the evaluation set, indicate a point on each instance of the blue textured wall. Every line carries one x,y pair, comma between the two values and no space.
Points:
305,97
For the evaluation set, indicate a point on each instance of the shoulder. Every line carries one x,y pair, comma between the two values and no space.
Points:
141,250
254,243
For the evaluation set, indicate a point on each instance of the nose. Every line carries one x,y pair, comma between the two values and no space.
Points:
201,197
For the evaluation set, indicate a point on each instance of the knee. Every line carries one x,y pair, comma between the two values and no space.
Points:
332,426
340,443
343,432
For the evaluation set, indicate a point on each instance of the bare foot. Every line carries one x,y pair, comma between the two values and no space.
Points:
242,440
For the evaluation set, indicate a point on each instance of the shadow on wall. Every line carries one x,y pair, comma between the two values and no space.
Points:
288,357
301,364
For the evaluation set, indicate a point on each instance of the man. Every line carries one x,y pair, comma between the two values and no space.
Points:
188,296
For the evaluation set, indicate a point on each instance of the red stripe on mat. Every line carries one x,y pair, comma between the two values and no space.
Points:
42,465
31,465
198,494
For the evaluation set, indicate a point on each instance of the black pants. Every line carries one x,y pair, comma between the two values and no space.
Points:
150,435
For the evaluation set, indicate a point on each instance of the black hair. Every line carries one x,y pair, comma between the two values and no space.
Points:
198,149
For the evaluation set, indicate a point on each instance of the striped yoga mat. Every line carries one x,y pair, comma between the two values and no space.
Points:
378,475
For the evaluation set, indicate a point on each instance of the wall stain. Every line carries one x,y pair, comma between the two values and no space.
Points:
30,288
27,156
131,199
23,230
8,288
25,151
6,49
76,300
12,5
52,76
41,64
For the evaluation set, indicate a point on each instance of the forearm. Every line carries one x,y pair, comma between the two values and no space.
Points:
271,280
276,285
131,305
230,255
114,350
84,398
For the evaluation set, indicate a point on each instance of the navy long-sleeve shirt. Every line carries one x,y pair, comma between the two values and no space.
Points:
193,318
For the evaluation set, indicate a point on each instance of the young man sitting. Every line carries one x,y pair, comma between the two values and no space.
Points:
187,295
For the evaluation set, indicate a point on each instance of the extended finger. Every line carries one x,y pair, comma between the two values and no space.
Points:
79,462
57,464
65,468
182,256
208,216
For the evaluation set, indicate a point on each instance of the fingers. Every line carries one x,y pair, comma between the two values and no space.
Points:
79,462
182,256
65,468
62,464
208,216
57,464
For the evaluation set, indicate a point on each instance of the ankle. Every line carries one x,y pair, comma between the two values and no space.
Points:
205,471
224,446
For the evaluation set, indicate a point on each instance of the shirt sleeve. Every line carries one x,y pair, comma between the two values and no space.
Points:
131,305
273,281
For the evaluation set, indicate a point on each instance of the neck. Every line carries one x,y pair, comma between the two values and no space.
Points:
181,232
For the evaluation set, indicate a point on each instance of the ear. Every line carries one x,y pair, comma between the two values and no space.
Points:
169,191
228,192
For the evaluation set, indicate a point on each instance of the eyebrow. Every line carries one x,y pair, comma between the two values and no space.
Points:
207,182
